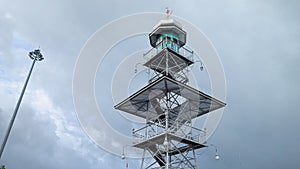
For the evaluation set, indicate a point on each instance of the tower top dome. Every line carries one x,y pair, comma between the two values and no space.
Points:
168,27
168,22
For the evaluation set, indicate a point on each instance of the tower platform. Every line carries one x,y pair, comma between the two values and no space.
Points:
193,103
168,60
159,140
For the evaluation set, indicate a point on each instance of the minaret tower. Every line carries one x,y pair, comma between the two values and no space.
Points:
168,104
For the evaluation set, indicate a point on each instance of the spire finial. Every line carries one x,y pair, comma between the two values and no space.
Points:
168,12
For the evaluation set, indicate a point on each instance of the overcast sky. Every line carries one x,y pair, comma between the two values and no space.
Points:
258,43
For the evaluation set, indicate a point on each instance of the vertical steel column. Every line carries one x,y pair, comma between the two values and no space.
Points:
167,62
166,130
195,158
142,165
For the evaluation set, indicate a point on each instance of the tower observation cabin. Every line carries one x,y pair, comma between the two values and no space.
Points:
167,103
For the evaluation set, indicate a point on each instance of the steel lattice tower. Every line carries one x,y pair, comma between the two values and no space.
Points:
167,103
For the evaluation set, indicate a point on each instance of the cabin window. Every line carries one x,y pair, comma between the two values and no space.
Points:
167,41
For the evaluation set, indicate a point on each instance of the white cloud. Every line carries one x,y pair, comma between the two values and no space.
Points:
42,126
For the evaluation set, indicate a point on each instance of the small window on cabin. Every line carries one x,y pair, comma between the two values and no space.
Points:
175,40
159,47
158,40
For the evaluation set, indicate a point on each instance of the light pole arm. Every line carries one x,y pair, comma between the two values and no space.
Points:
217,156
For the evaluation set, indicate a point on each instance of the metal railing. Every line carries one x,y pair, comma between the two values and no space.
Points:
178,128
147,132
187,53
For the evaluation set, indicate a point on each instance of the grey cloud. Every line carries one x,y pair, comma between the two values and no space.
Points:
258,43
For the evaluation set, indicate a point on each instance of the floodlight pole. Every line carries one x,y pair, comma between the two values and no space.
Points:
35,56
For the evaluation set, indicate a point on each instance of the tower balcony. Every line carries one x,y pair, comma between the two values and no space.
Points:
155,133
168,58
